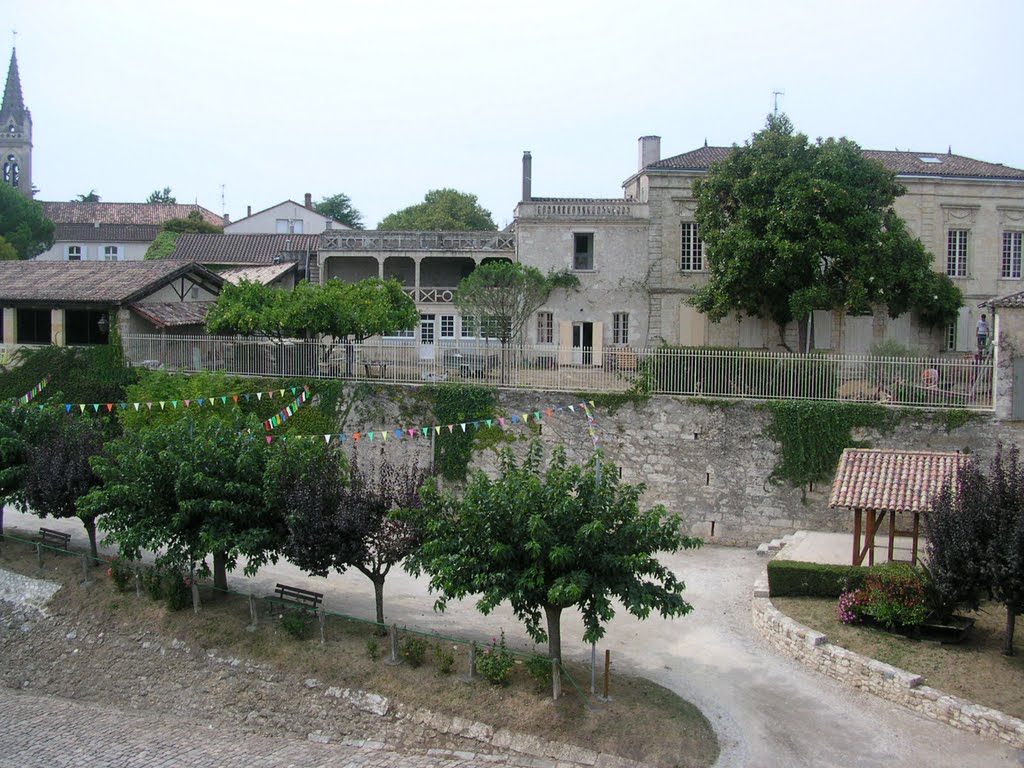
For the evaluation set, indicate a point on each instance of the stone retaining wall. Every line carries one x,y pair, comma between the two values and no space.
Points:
813,649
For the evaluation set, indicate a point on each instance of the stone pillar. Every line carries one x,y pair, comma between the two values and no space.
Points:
527,177
1007,326
416,279
380,266
10,326
57,336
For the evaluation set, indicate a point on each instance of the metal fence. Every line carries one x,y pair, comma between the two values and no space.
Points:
935,382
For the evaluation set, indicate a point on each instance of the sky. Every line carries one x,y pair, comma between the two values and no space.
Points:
236,104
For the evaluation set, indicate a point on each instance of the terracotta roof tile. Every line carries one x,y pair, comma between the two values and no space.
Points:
124,213
240,249
106,233
88,282
900,481
170,315
901,163
264,273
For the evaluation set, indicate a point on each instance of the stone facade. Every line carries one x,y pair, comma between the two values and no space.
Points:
891,683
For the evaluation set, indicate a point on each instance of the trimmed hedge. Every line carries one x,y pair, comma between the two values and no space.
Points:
791,578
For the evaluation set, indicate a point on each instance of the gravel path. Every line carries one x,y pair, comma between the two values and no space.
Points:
766,709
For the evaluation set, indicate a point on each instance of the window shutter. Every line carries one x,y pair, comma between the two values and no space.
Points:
598,342
564,342
965,331
692,326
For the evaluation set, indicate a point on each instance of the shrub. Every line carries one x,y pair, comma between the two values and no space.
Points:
896,595
176,589
297,624
495,662
151,582
445,659
413,650
851,606
373,648
791,578
539,668
122,573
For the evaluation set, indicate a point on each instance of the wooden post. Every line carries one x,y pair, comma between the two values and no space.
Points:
472,662
138,583
607,671
253,613
556,680
323,625
917,533
857,557
892,532
39,554
85,571
393,632
195,596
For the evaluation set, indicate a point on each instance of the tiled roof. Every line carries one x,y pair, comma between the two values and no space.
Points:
240,249
124,213
89,282
900,481
901,163
106,233
1013,300
264,273
173,314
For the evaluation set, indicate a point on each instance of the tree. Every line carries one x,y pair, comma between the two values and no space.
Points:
441,210
89,197
23,224
190,490
18,427
194,223
57,471
337,522
791,226
975,532
339,207
250,309
547,540
503,296
161,196
7,251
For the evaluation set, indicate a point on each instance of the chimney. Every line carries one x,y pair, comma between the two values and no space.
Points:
248,211
309,201
650,150
227,219
527,177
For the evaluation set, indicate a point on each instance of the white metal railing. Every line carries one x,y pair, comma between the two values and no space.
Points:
936,382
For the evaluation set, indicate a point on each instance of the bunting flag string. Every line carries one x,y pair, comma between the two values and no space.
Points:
287,412
31,394
411,433
164,405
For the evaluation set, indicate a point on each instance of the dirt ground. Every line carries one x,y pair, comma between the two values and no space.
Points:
974,669
114,636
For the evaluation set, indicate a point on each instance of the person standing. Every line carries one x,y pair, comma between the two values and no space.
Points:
982,333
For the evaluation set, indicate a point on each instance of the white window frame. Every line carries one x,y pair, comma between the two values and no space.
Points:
586,265
545,327
467,327
446,327
958,245
1013,245
620,329
80,255
110,252
691,256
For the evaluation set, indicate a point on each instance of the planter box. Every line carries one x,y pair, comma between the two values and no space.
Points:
954,630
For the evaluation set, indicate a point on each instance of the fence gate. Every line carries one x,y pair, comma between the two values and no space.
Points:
1017,407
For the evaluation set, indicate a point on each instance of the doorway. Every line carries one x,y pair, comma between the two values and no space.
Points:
583,343
427,337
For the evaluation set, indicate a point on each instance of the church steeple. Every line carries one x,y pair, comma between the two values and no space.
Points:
15,134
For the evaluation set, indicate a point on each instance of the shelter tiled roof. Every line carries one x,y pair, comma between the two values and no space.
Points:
901,163
1012,300
264,273
106,233
124,213
173,314
887,480
89,282
240,249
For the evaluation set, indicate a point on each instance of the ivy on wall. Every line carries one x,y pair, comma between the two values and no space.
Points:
456,403
813,435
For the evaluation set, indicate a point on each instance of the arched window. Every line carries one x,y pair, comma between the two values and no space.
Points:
12,173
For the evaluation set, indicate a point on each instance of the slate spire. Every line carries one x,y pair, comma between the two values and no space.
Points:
13,104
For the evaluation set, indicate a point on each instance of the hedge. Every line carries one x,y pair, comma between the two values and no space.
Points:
791,578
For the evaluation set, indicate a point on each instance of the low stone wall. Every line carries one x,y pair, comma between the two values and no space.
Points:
813,649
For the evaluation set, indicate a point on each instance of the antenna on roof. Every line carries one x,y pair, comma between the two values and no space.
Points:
222,206
950,150
775,101
14,38
705,141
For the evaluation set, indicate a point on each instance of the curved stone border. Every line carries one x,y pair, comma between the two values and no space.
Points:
812,648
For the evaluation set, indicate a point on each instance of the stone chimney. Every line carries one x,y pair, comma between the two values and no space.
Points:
650,150
248,211
309,202
527,177
227,219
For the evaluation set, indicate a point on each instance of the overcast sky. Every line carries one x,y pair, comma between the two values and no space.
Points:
385,100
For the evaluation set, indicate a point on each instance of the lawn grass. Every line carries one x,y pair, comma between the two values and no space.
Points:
975,669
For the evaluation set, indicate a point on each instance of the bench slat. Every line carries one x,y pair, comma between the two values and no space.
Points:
50,536
298,596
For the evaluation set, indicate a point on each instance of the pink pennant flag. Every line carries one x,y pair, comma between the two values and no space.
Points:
501,420
187,402
450,428
269,439
412,432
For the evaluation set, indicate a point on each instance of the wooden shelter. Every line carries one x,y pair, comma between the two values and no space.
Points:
875,483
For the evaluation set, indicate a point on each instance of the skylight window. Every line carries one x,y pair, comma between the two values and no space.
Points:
929,159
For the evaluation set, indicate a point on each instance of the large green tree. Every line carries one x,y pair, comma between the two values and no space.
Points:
161,196
791,226
339,207
23,224
88,197
545,540
441,210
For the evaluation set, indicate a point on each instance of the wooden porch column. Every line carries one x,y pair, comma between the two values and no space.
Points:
416,279
10,326
857,557
917,532
57,336
892,532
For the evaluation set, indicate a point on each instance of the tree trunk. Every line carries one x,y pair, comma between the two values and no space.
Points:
782,336
1,521
1011,622
220,570
90,529
378,597
554,616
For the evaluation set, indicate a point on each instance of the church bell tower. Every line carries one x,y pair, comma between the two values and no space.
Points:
15,134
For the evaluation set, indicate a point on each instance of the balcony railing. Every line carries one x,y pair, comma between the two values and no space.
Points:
696,372
358,240
431,295
583,209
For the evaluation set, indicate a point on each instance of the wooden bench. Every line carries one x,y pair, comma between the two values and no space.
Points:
52,538
303,598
